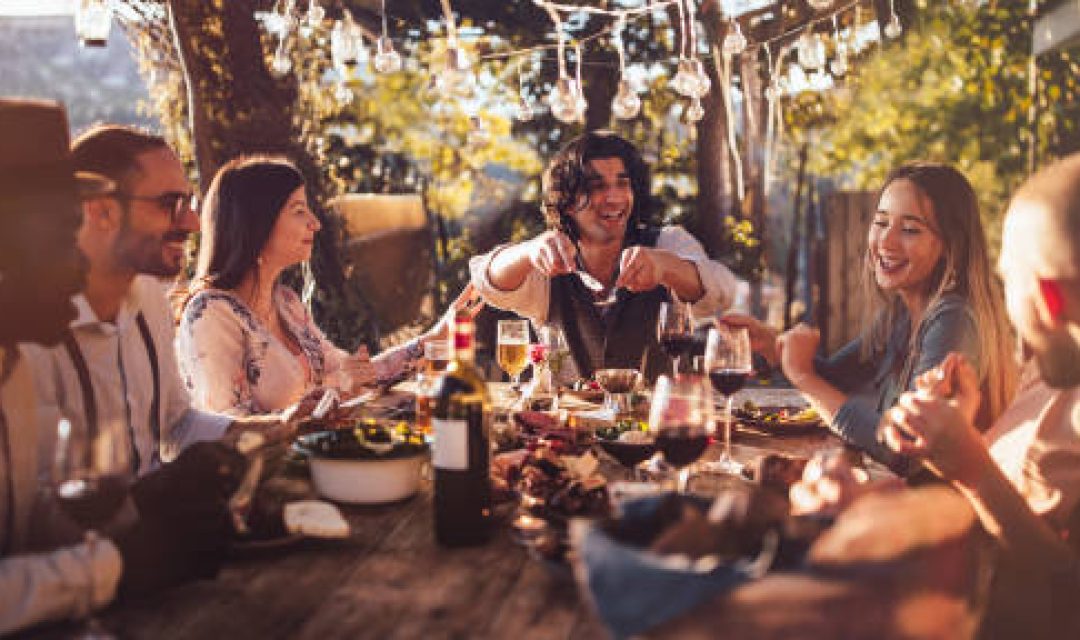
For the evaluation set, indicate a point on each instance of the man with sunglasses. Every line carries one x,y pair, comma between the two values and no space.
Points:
117,362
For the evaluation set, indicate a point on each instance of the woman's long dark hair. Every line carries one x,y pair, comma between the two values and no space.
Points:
241,208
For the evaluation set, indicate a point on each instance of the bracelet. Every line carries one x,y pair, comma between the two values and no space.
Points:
414,350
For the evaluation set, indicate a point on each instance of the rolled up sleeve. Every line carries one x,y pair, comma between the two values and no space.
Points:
719,283
529,300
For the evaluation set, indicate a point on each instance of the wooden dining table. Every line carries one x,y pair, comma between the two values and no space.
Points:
389,579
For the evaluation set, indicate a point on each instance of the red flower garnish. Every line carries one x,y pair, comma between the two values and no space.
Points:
537,353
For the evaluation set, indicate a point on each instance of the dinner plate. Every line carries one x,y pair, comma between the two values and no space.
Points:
769,420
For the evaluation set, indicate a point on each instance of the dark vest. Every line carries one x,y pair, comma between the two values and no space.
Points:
615,336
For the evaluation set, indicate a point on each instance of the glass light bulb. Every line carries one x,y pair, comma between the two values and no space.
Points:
695,112
342,46
894,28
93,21
821,81
698,83
819,5
387,60
811,51
734,42
315,14
281,64
626,104
839,66
681,82
343,94
564,100
524,111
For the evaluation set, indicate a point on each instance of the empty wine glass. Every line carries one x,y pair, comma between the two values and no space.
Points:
618,385
681,416
728,361
675,330
90,476
512,351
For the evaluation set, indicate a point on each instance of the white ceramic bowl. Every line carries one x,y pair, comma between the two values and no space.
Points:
367,481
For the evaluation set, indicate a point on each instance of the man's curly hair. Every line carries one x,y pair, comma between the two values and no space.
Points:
565,180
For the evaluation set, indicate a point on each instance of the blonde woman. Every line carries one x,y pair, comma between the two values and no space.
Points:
928,270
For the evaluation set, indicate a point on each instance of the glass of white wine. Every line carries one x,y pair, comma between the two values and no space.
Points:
512,351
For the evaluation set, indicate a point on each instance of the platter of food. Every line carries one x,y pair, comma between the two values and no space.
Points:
789,420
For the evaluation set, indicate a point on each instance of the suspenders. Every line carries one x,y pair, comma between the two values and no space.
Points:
90,401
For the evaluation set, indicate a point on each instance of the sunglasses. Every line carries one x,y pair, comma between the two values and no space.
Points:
175,202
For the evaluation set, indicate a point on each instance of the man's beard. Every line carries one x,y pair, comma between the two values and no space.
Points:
1059,363
144,254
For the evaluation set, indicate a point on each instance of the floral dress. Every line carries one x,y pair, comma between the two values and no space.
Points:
232,363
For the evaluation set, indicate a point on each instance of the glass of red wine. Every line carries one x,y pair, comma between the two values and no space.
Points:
728,361
675,331
90,477
681,417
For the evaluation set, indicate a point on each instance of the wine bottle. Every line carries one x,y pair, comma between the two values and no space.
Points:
461,456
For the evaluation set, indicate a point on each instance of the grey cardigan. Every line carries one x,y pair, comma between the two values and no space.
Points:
874,387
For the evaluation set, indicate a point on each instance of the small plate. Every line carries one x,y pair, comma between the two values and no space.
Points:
770,420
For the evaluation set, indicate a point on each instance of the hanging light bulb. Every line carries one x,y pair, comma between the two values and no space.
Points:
819,5
387,60
695,112
839,65
699,83
93,21
343,95
343,51
893,29
281,64
478,133
315,14
524,111
734,42
681,83
820,81
455,78
811,51
564,100
626,104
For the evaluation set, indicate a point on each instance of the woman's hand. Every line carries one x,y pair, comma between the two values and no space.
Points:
762,337
796,349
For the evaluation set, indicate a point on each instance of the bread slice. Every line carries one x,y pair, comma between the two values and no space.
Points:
315,519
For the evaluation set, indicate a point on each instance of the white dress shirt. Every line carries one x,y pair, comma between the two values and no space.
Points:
121,375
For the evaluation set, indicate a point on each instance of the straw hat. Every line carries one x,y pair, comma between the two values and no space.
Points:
35,155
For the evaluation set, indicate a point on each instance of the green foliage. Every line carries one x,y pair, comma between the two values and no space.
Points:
954,89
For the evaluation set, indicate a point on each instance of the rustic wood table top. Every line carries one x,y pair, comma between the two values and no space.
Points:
390,579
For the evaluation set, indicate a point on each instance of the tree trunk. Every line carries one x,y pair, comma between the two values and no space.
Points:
753,159
714,199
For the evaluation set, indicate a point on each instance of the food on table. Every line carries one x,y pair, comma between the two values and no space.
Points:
780,418
316,519
777,471
369,439
586,389
536,426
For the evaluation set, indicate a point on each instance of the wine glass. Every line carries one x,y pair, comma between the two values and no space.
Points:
618,385
728,361
675,330
512,351
90,477
556,348
681,416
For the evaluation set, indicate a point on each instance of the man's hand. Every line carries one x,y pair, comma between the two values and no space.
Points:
762,336
954,379
796,349
938,431
271,429
552,253
642,268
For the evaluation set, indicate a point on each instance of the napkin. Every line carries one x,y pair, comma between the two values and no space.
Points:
633,589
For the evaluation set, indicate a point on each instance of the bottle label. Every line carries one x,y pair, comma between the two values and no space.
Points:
451,449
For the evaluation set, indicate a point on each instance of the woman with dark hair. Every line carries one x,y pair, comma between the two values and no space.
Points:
246,343
596,204
928,274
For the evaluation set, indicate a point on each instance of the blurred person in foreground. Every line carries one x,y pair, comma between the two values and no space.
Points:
174,523
118,361
597,206
1022,476
930,289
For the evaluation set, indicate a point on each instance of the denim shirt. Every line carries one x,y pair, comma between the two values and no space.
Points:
874,387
